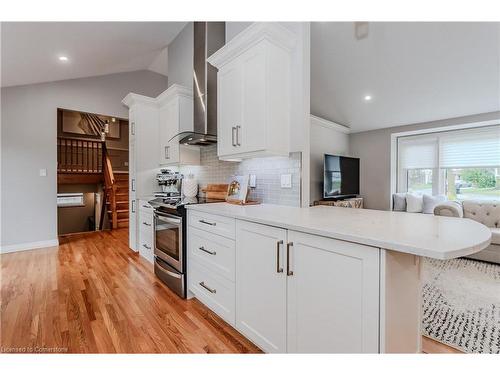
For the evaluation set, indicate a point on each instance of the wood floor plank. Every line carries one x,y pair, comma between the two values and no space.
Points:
92,294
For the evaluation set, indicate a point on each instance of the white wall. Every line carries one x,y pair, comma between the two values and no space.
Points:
180,58
28,143
326,138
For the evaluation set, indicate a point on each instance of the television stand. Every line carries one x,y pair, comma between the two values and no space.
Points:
356,202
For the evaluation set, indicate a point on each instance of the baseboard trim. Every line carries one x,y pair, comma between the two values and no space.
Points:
28,246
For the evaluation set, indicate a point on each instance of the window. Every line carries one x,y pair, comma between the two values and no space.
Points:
462,164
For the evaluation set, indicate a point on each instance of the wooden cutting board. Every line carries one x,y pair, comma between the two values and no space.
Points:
215,191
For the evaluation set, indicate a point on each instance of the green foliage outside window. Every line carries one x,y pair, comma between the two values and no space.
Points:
481,178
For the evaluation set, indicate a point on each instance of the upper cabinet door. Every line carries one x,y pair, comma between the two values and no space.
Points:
251,132
333,296
229,108
169,126
254,98
261,285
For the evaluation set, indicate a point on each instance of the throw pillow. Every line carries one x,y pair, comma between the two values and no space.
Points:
414,202
399,202
431,201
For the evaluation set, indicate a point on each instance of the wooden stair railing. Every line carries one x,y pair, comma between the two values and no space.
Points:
110,188
79,156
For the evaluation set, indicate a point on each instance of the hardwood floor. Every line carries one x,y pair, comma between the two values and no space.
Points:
91,294
431,346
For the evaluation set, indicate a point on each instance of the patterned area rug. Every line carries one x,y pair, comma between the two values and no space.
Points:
461,304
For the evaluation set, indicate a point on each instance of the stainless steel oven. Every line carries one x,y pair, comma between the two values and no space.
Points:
169,250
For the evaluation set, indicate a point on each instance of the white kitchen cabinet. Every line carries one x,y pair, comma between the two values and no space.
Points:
333,296
175,116
261,285
253,84
145,225
303,293
143,141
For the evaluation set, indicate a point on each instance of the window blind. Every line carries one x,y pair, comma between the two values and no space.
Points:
418,152
470,148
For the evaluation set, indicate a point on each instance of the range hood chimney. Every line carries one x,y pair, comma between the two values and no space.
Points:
208,38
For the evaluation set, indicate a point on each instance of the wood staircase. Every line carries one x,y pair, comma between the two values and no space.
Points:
116,194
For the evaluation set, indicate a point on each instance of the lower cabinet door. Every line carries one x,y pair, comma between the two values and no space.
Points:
261,285
333,296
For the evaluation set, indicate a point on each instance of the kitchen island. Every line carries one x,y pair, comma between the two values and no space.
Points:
320,279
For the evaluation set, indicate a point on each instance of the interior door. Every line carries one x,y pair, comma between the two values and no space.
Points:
261,285
228,108
333,296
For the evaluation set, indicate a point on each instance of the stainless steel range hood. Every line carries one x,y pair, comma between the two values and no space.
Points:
208,38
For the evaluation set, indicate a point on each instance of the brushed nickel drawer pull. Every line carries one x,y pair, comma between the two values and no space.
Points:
146,246
288,271
207,222
146,206
147,224
202,284
278,268
207,251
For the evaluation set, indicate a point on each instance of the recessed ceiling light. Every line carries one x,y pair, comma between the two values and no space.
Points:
368,98
63,58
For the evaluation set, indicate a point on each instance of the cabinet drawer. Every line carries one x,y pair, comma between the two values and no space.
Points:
221,225
213,251
146,246
144,206
214,291
146,221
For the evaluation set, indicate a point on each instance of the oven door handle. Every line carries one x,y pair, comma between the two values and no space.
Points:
170,219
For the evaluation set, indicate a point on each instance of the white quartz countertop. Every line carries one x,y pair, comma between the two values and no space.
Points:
420,234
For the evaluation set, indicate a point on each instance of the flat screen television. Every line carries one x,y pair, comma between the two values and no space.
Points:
341,177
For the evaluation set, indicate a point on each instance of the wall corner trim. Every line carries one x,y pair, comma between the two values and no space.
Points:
315,120
28,246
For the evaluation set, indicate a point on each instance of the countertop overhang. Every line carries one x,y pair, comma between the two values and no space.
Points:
419,234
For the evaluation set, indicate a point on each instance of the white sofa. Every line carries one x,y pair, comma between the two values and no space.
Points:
485,212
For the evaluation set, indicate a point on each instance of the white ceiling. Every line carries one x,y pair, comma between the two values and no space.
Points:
30,50
416,72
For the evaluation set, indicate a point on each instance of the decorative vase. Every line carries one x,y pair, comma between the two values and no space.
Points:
189,187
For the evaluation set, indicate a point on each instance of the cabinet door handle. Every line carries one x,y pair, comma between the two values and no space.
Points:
278,268
167,152
238,135
207,222
288,271
146,206
202,284
147,224
207,251
133,184
233,133
132,127
146,246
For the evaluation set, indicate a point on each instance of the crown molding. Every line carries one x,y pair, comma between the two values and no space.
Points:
318,121
132,99
272,32
172,91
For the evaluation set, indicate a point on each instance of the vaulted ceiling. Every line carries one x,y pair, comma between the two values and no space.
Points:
31,50
413,72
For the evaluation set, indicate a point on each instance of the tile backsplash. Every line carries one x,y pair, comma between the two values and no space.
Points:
268,173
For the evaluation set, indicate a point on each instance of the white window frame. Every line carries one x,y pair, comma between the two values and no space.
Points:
394,149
